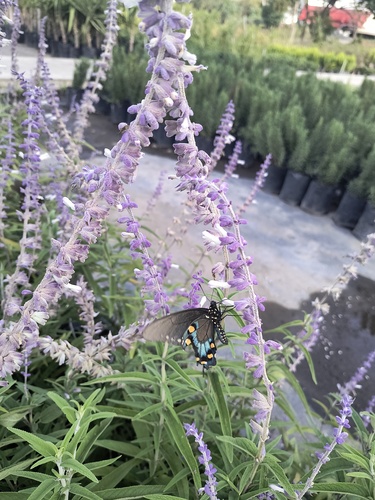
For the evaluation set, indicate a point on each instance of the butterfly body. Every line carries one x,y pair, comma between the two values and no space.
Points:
196,327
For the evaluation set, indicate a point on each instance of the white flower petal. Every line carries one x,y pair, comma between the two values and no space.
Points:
68,203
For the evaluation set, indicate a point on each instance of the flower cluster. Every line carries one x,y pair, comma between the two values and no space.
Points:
100,71
258,184
339,438
32,206
150,274
8,155
204,459
223,136
232,163
354,383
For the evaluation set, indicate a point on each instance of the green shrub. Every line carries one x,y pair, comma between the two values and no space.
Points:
331,154
81,69
268,138
363,185
127,78
295,136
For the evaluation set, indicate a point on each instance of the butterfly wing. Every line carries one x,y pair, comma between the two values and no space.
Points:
171,328
191,327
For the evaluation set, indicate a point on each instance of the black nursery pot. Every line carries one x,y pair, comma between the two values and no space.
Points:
349,211
294,187
161,140
366,223
321,198
118,113
274,180
205,144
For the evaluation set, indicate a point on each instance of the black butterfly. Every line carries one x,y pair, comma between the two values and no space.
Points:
197,327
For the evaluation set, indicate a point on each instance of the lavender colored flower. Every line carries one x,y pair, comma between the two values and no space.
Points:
231,165
339,438
156,194
369,409
258,184
205,460
151,276
222,135
32,206
99,74
354,383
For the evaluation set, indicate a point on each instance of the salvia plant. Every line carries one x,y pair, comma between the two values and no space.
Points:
90,406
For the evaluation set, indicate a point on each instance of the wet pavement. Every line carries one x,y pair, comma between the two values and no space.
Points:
295,256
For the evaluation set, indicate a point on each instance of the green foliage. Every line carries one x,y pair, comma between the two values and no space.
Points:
127,78
268,138
209,96
295,136
312,58
126,440
331,157
80,73
272,12
363,185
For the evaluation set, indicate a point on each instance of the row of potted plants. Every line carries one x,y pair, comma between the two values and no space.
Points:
74,28
314,129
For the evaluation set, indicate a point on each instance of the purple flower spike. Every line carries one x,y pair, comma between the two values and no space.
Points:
258,184
204,459
223,136
339,438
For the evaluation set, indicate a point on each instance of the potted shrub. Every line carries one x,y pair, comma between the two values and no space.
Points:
366,224
330,161
268,138
354,199
208,100
254,101
80,76
125,83
297,147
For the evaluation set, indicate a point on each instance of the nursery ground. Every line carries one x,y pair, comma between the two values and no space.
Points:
295,255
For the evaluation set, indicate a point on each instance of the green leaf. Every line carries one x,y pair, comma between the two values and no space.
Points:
43,489
130,492
90,439
176,478
119,378
64,406
156,408
127,449
335,465
15,496
117,475
245,476
72,463
35,476
182,373
362,475
10,418
162,497
272,464
342,489
177,431
101,463
44,448
222,408
359,460
13,470
83,492
243,444
276,367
